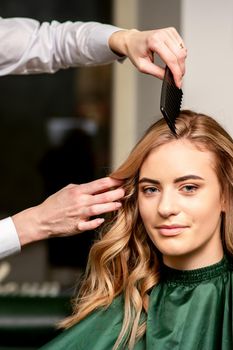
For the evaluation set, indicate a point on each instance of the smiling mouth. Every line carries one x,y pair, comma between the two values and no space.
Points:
171,230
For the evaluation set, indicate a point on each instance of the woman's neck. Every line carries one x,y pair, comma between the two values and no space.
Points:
192,261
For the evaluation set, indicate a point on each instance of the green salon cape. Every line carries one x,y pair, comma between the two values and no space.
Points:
188,310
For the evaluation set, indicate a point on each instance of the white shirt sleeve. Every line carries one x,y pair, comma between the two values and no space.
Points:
9,240
28,47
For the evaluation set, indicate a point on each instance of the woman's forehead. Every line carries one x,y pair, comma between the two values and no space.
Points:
178,156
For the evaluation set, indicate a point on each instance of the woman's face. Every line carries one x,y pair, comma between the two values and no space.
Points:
180,204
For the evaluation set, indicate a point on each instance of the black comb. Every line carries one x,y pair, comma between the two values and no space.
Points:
171,98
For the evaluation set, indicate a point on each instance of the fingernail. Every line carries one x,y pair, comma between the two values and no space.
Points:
180,84
118,204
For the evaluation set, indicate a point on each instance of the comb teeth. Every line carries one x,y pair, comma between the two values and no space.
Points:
171,99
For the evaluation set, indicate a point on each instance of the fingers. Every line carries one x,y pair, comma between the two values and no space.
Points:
87,200
90,225
96,205
106,197
89,203
148,67
99,185
140,47
167,54
98,209
85,224
95,210
174,34
168,44
177,47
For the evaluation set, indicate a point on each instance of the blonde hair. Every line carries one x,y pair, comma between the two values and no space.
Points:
124,260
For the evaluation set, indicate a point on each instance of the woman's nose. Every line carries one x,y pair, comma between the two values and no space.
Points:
168,204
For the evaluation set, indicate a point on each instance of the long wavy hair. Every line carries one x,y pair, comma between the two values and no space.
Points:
124,260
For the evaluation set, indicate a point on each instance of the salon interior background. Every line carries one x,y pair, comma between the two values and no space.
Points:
32,104
54,130
36,113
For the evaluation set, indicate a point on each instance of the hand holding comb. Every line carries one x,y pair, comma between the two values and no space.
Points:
171,99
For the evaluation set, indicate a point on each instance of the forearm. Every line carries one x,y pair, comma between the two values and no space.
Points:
26,46
29,226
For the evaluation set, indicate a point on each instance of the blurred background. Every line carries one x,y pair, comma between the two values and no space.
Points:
67,127
54,130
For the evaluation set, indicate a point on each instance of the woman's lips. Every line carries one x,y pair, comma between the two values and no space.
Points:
172,230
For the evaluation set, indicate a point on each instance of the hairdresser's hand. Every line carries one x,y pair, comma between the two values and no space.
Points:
140,47
69,211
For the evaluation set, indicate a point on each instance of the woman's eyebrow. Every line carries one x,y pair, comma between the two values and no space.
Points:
179,179
146,179
188,177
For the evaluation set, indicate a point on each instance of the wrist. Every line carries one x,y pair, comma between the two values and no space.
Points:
28,226
118,41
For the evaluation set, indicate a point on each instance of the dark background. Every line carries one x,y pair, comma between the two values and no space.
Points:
41,279
32,167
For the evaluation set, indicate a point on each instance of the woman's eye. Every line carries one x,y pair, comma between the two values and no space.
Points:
189,188
150,190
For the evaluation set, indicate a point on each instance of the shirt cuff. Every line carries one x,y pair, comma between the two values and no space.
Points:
9,239
98,41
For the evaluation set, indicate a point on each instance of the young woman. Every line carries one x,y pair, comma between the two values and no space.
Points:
160,277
